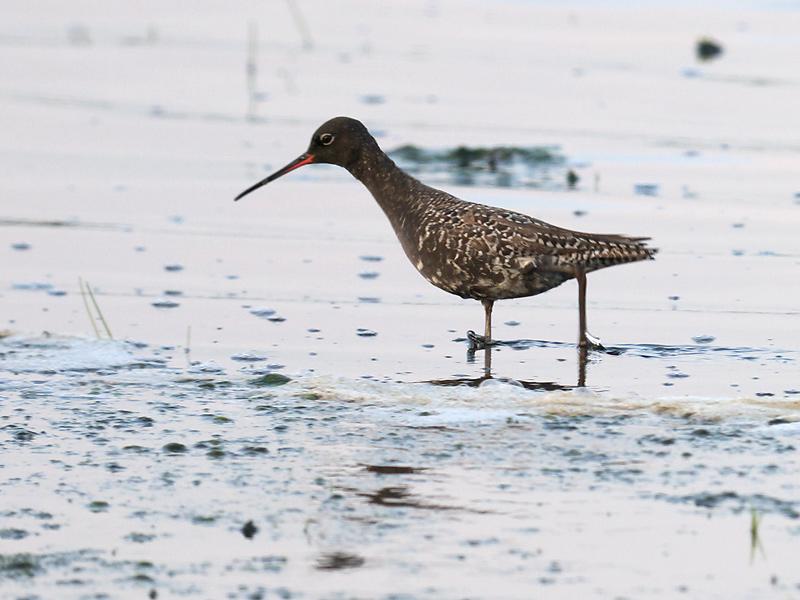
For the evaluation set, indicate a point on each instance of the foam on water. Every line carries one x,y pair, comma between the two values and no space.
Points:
503,398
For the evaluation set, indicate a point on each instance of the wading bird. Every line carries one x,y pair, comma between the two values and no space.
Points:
467,249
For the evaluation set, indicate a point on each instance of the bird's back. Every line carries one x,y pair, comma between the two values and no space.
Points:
483,252
479,251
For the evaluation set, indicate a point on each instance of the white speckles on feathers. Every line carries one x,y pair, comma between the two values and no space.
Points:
482,252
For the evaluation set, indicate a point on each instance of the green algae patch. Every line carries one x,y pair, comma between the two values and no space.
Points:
270,380
498,166
175,448
19,565
98,506
204,519
215,453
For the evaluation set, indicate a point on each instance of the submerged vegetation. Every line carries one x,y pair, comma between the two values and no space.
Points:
498,166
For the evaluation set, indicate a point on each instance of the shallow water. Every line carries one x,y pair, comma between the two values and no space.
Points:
294,412
137,473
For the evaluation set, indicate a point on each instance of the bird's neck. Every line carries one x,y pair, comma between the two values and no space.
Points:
391,187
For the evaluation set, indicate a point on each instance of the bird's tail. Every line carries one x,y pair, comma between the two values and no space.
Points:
607,250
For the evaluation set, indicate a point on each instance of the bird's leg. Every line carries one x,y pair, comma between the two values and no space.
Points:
487,362
580,275
585,339
480,342
487,307
583,356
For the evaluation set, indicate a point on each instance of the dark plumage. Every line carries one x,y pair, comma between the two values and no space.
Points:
467,249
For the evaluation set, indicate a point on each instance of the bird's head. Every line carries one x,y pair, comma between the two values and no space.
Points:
339,141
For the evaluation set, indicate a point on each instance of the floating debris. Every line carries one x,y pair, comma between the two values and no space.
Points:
165,303
173,293
262,312
335,561
21,246
370,258
703,339
512,323
276,319
369,275
249,530
369,299
393,469
707,49
173,268
56,292
366,332
572,179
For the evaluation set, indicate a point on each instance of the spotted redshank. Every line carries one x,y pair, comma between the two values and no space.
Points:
467,249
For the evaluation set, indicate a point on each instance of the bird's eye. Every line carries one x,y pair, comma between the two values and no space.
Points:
326,139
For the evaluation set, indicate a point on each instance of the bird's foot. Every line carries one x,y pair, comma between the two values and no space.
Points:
478,342
591,342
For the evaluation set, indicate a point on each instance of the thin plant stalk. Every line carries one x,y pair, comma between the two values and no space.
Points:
86,289
99,312
88,310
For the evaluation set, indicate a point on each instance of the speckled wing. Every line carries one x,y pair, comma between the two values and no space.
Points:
565,250
545,247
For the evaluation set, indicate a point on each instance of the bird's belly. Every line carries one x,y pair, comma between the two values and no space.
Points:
485,280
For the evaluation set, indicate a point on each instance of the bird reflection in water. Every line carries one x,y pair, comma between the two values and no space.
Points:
476,343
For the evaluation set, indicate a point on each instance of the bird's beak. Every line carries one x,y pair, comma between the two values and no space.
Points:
303,159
